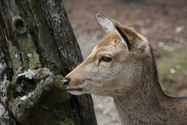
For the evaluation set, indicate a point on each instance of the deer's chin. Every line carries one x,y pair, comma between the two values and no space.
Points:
76,91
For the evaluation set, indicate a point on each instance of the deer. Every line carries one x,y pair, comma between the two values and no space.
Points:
123,67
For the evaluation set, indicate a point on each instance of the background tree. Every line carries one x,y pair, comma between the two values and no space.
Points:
37,46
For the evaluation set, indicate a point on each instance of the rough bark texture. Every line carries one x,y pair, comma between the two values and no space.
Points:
35,34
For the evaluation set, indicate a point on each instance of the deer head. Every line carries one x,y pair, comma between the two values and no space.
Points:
116,66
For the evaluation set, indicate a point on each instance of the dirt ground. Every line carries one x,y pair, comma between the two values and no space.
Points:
164,23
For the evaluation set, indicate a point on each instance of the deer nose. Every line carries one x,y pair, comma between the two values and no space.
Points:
65,82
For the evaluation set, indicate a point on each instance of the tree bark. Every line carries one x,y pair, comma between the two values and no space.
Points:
37,48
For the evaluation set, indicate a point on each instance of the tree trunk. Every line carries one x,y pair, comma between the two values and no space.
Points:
37,48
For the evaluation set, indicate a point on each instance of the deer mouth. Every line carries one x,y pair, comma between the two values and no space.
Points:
76,91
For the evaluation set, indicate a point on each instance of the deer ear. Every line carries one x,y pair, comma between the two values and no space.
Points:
135,42
109,25
105,23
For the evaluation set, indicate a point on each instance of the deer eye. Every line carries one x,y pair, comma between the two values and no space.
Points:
105,59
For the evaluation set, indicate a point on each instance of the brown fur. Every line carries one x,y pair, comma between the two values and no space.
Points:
130,78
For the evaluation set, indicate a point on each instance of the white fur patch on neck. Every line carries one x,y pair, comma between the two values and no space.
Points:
105,23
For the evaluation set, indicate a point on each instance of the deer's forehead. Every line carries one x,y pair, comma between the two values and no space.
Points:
108,45
109,40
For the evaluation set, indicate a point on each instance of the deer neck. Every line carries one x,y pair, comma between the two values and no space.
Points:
142,106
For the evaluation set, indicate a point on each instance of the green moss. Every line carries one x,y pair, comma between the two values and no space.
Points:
59,89
40,73
20,31
27,46
15,61
34,5
32,62
59,86
58,82
69,122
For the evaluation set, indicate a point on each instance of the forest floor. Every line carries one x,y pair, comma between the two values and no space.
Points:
163,23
